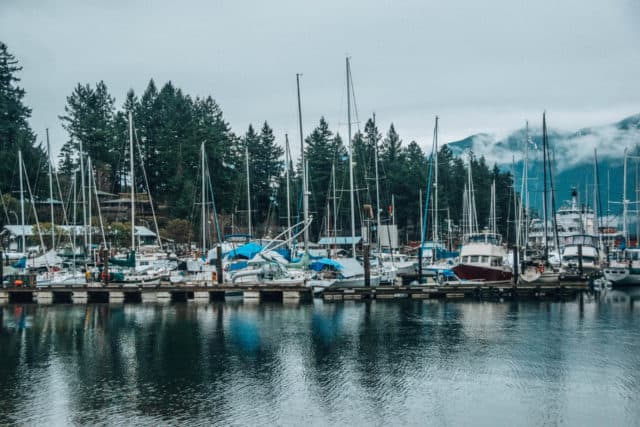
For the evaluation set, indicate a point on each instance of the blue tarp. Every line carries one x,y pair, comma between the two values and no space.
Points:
247,251
321,263
237,266
22,263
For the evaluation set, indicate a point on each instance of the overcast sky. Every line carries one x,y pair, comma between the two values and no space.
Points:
482,66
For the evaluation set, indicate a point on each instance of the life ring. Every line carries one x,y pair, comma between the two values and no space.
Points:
541,268
105,275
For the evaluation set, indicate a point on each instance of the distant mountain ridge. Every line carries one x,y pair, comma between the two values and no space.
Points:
573,155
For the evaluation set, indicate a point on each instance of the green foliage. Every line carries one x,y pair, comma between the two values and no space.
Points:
15,132
179,230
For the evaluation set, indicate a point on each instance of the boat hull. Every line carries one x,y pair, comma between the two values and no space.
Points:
474,272
622,277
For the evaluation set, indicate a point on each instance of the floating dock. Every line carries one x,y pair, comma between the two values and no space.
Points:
476,291
254,293
137,294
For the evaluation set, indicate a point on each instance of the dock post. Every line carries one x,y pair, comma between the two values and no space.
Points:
367,265
105,270
79,297
420,264
43,297
219,264
580,259
516,264
149,296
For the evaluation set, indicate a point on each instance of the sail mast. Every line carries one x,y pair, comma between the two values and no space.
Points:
246,152
287,155
353,215
544,183
335,209
133,187
83,197
435,188
53,232
305,192
375,152
625,228
24,240
203,201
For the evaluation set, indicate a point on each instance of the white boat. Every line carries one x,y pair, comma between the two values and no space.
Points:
483,257
626,271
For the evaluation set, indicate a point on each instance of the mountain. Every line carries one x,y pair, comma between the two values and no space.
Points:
573,159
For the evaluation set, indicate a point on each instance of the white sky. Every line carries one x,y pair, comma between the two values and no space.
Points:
482,66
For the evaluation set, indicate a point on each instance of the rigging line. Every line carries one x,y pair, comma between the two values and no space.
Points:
92,177
426,206
213,202
64,210
146,183
35,213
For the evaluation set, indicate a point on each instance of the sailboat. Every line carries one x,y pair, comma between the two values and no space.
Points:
543,271
343,272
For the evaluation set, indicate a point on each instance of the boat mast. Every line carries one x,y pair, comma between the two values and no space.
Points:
353,215
89,200
133,187
375,153
305,192
420,212
53,232
287,155
544,183
246,153
625,230
75,214
83,197
335,209
203,200
525,184
24,240
435,189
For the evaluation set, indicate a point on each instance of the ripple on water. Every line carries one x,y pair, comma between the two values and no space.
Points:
321,364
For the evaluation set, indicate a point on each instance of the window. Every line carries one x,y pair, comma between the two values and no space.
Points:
484,259
474,258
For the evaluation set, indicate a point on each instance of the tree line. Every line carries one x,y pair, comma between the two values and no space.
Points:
169,127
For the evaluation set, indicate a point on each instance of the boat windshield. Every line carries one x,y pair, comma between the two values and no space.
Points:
494,239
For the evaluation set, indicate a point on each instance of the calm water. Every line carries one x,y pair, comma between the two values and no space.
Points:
356,363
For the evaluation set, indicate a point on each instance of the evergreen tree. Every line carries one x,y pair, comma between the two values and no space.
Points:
89,119
15,133
323,150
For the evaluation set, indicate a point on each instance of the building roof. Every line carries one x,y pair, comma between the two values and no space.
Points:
17,230
143,231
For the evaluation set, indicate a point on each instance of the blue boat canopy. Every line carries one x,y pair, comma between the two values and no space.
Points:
321,263
247,251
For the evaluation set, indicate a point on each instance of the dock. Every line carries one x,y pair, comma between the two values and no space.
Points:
114,293
142,294
475,291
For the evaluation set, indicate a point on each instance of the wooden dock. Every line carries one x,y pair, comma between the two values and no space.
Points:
140,294
253,293
484,292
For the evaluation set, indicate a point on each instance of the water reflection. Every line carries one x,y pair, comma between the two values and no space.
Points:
401,362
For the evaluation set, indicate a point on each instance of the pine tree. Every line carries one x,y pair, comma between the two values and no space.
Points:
15,133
